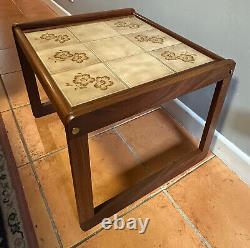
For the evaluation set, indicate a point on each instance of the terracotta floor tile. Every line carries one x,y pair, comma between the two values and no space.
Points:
9,61
42,135
8,8
16,89
46,14
37,6
157,139
6,22
166,228
6,39
41,222
4,104
14,138
113,170
217,202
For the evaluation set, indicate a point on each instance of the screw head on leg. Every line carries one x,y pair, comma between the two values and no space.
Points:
75,130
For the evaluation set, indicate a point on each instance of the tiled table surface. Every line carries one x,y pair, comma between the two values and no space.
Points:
93,60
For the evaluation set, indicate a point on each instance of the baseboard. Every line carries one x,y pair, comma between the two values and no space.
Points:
230,154
57,8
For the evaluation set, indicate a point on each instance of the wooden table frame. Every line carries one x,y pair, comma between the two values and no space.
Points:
81,120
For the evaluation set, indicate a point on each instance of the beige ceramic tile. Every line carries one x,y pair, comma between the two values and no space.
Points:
139,69
93,31
180,57
113,170
4,104
217,202
152,39
67,58
157,139
166,228
87,84
14,139
127,25
16,90
39,215
42,135
114,48
51,38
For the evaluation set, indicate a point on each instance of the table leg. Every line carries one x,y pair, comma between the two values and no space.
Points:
213,114
38,108
81,174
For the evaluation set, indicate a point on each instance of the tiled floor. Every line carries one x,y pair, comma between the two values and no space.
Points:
208,207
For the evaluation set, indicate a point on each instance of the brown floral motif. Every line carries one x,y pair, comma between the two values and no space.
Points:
169,55
76,57
47,36
63,55
58,38
153,38
79,57
62,38
81,81
185,57
141,38
103,82
123,24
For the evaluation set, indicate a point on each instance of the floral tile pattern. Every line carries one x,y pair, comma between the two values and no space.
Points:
93,31
128,25
51,38
152,39
114,48
181,57
67,58
94,59
88,83
134,70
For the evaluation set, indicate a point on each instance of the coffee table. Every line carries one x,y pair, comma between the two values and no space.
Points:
100,68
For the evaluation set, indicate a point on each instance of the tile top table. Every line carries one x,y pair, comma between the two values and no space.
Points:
102,67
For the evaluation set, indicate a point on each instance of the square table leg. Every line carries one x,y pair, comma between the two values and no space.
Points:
81,173
214,113
38,108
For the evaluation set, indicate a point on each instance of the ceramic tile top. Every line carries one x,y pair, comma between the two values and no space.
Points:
152,39
93,31
95,59
113,48
51,38
181,57
127,25
139,69
66,58
83,85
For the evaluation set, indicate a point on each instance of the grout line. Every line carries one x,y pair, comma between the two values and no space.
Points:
44,156
87,238
187,219
17,7
124,122
32,166
150,52
185,173
9,72
131,149
54,227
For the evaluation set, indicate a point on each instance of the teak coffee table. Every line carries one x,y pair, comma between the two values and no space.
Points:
102,67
